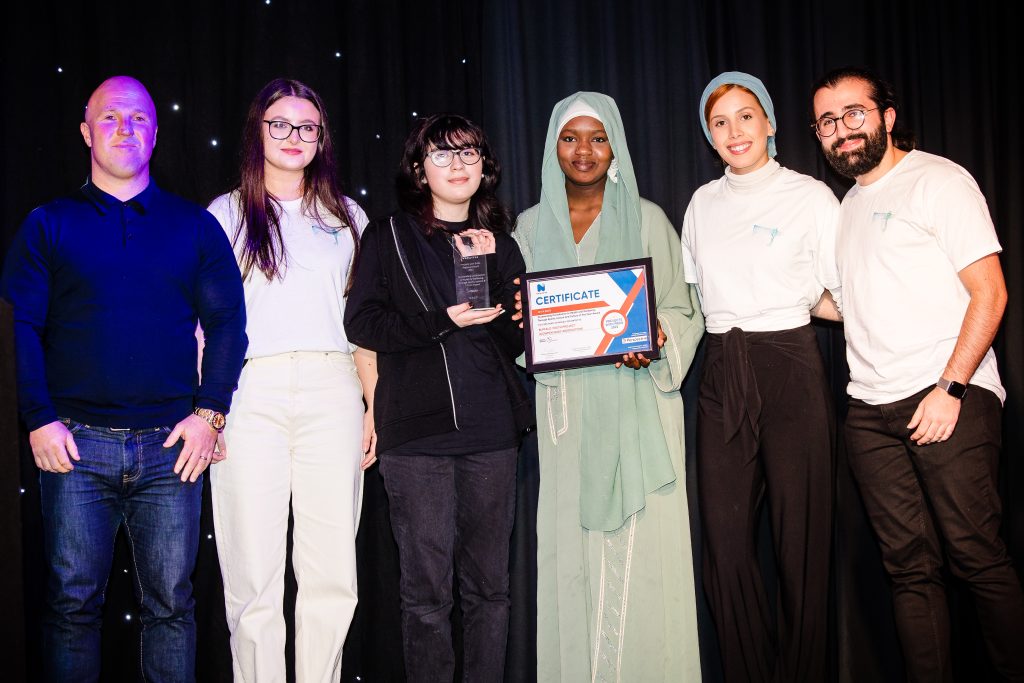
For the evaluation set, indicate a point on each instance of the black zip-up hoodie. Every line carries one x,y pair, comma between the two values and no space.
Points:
390,311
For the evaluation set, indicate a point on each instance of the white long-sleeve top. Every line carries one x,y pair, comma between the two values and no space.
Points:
760,247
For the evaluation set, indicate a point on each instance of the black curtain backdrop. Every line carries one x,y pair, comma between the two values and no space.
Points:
378,65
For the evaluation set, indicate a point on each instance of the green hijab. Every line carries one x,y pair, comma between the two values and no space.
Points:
624,454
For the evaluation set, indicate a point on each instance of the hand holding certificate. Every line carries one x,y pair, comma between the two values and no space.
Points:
577,317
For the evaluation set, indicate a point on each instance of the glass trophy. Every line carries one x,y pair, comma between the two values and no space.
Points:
470,273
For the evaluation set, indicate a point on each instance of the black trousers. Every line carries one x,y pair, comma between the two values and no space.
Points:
765,430
927,502
453,512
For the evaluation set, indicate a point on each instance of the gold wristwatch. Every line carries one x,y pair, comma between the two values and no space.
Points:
212,417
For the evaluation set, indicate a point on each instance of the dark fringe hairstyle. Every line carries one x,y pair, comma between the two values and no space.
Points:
883,94
449,131
259,227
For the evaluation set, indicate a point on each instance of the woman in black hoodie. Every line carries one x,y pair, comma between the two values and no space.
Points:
447,406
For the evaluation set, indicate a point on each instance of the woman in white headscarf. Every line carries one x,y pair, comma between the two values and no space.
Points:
615,588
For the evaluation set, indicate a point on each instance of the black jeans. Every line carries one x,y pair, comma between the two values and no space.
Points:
453,512
923,500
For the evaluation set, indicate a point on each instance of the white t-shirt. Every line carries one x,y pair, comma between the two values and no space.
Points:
305,309
902,240
760,248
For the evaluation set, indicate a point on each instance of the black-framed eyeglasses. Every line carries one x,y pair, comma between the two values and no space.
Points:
443,158
852,119
282,130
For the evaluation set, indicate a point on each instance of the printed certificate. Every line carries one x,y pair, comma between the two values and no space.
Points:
591,315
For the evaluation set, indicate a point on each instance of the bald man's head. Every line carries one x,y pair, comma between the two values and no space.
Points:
120,128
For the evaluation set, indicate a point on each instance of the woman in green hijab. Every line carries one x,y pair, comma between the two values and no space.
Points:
615,589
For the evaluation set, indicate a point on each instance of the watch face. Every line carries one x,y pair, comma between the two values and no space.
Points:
218,421
956,390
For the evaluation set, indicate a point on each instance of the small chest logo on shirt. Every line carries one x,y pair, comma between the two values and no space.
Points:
771,232
882,216
333,232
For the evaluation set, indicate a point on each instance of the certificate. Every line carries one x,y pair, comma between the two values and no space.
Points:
590,315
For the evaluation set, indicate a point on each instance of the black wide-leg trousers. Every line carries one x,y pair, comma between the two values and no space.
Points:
765,436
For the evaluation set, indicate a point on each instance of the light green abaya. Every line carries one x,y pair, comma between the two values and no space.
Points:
615,587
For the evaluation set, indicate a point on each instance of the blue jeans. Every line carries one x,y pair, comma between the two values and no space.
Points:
124,477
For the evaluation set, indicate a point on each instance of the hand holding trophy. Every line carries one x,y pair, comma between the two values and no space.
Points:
470,249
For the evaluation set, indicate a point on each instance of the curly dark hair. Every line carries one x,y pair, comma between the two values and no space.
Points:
883,94
449,131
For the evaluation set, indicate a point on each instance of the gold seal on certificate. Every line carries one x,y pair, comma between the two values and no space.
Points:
590,315
470,273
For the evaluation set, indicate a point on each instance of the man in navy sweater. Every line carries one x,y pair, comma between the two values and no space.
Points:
108,285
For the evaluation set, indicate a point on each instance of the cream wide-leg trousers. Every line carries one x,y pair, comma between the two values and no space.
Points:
294,434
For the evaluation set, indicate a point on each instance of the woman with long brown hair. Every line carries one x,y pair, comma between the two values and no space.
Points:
296,434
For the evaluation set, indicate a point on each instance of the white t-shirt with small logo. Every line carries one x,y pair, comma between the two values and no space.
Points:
303,310
902,241
760,248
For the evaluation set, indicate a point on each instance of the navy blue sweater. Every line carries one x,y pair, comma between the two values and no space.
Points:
106,297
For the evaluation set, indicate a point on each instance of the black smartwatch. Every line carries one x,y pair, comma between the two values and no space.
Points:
954,389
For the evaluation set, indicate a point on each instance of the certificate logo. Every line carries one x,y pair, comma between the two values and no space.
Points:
613,323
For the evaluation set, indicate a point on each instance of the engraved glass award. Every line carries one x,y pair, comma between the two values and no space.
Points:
470,273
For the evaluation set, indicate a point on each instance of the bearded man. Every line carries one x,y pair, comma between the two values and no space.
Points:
923,296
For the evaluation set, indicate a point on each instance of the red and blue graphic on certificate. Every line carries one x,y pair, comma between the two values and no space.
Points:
585,316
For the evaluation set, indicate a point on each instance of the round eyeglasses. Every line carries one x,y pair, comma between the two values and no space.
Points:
282,130
443,158
852,119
